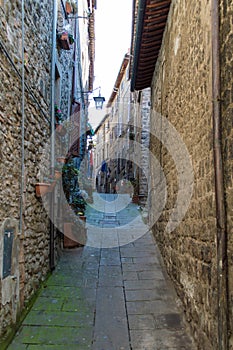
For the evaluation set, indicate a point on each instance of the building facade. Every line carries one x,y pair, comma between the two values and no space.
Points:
37,96
189,71
122,140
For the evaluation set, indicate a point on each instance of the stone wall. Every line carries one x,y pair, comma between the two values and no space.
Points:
34,237
226,37
145,138
181,94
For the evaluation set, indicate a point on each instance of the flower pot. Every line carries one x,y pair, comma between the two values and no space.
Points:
63,40
82,217
42,188
57,174
60,129
69,8
68,242
61,159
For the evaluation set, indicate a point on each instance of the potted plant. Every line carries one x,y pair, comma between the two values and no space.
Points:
69,179
71,38
61,130
63,39
45,187
78,204
82,216
71,7
58,114
61,159
74,6
42,188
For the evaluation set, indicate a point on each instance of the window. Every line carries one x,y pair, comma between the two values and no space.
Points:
7,252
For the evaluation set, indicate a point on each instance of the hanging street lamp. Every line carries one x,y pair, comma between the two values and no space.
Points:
99,101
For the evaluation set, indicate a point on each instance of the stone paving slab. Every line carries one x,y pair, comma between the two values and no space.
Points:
151,275
60,291
107,299
110,257
110,276
137,253
141,322
15,345
59,347
155,307
72,319
87,283
159,339
145,260
141,284
111,327
54,335
130,275
130,266
148,295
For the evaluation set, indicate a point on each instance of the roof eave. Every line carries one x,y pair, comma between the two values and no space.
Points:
147,40
138,38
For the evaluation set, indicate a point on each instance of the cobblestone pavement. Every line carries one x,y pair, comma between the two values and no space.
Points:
102,298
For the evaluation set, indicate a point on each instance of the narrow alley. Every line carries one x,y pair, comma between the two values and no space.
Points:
116,174
107,298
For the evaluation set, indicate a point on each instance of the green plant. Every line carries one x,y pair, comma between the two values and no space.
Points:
75,7
78,204
58,114
71,38
69,170
70,179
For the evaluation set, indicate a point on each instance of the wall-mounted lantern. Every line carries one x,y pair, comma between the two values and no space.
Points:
99,101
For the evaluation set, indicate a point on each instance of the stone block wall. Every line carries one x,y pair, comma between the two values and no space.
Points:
34,238
145,138
226,44
182,95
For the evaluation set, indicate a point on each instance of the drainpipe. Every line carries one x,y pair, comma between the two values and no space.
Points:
22,130
52,102
74,79
219,184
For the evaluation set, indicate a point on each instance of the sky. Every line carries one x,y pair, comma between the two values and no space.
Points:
113,24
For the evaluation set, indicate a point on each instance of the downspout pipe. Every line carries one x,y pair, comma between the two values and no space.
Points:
22,130
74,70
52,129
222,292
